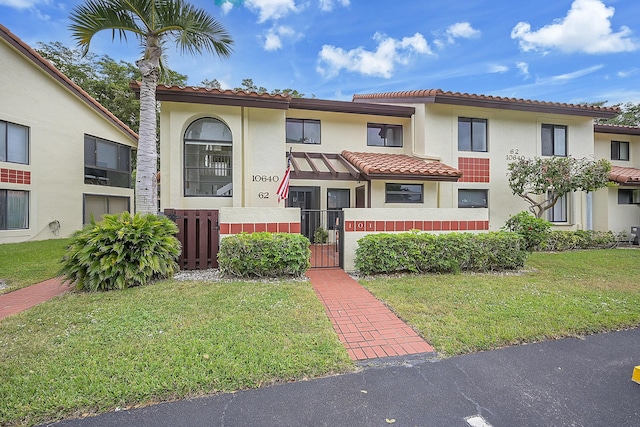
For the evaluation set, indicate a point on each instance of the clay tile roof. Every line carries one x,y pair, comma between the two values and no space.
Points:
201,95
624,175
378,165
487,101
618,129
50,69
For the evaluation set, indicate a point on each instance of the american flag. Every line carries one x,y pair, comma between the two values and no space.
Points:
283,188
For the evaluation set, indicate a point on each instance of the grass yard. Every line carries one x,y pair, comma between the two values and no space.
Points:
24,264
561,294
86,353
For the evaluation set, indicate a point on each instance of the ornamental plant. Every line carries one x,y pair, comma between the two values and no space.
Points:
446,253
541,182
121,251
264,255
533,230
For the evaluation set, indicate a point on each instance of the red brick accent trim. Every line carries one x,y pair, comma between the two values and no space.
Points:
251,227
474,169
449,225
14,176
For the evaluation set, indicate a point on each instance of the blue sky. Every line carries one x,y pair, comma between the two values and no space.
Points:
550,50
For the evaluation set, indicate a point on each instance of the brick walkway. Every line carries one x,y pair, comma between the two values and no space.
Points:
22,299
366,327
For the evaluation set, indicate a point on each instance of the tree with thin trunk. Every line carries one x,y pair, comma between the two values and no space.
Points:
153,23
541,182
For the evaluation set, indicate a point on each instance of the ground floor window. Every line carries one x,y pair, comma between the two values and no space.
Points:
473,198
95,206
403,193
558,213
14,210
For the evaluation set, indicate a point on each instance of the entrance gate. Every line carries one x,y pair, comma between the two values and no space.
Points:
325,231
198,232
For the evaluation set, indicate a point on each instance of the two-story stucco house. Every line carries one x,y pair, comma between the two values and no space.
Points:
63,156
427,160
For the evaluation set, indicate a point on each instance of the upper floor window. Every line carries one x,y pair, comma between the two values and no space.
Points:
619,150
14,143
208,159
628,196
106,163
403,193
472,134
554,140
14,209
384,135
304,131
473,198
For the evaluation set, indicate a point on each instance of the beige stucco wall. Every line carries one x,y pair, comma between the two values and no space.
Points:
57,121
510,133
608,214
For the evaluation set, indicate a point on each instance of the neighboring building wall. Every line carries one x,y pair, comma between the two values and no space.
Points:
57,122
609,214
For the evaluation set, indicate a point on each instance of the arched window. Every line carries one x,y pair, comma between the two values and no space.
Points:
208,154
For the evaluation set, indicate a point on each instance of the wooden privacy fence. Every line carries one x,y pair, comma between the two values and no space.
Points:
198,233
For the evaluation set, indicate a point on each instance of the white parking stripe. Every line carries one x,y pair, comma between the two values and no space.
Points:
477,421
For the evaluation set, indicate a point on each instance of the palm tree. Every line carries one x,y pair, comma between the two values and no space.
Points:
152,22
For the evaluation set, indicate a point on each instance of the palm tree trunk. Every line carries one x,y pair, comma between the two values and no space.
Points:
146,191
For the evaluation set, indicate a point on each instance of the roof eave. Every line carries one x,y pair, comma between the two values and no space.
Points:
57,75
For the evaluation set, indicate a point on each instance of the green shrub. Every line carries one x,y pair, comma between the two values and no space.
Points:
121,251
558,240
534,230
445,253
320,235
264,255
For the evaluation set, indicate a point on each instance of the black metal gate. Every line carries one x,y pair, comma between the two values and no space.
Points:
325,231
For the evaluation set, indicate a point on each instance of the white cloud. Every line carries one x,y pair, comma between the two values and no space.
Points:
380,62
586,28
272,9
275,36
567,77
498,69
22,4
462,30
524,69
327,5
627,73
459,30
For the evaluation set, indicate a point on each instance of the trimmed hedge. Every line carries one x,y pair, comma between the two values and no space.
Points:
445,253
557,240
264,255
121,251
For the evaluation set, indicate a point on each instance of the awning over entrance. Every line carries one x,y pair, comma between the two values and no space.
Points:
358,166
624,175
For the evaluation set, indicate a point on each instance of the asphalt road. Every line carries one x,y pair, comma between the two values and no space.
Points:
569,382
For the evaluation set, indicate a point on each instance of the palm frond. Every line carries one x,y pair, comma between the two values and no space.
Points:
194,29
94,16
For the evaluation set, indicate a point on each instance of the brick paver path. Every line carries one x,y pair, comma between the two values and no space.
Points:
366,327
22,299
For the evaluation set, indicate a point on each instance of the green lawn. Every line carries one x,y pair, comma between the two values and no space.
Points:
24,264
86,353
561,294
